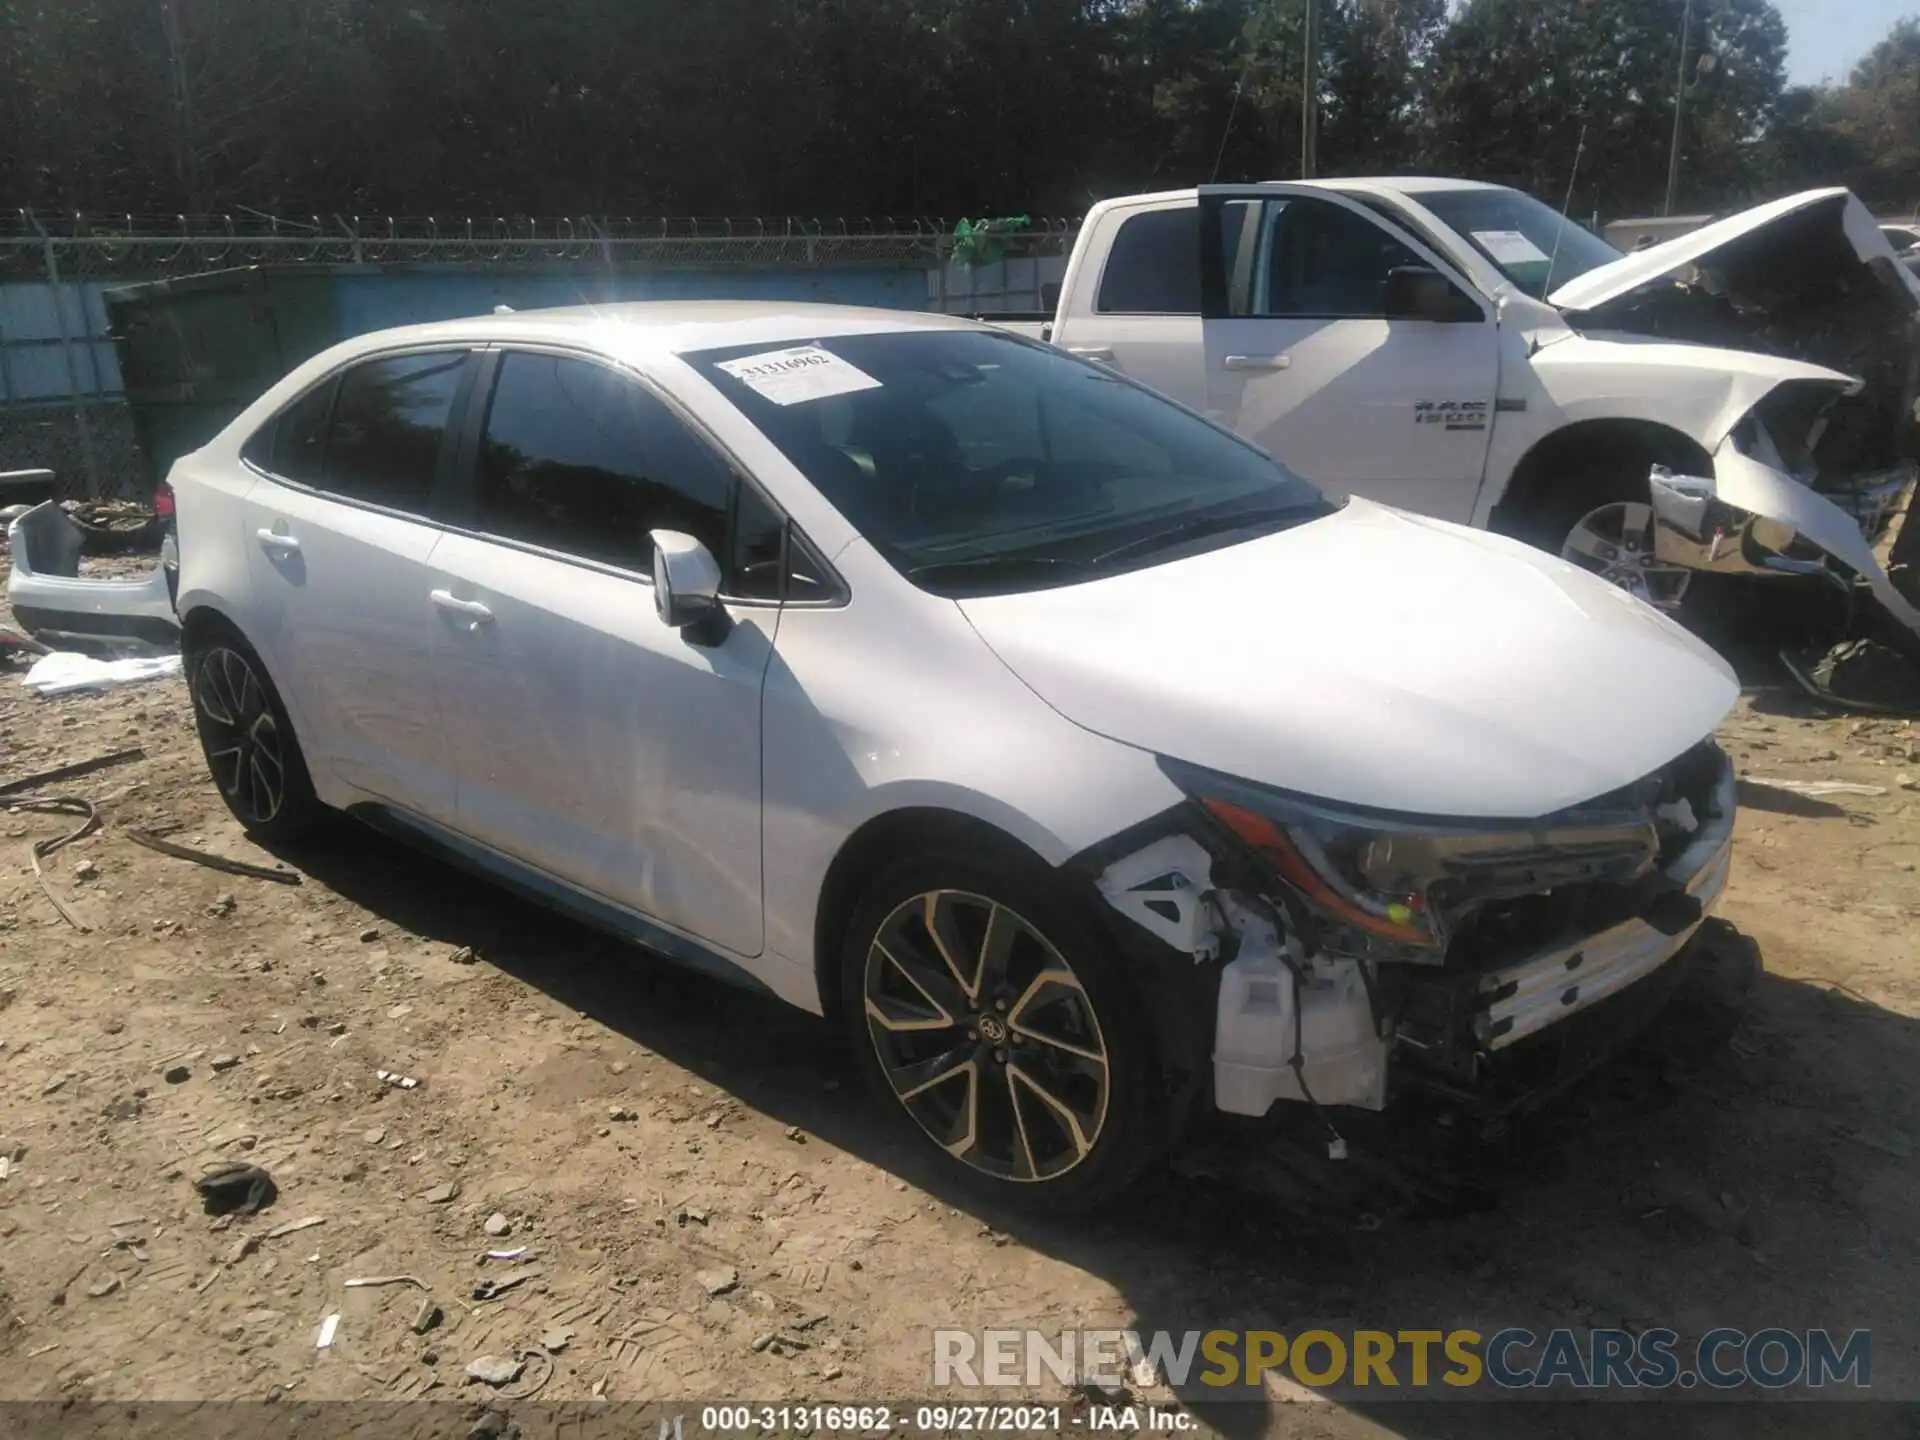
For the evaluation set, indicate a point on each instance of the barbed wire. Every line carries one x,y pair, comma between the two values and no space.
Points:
98,244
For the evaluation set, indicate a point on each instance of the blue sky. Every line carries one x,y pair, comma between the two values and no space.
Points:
1826,37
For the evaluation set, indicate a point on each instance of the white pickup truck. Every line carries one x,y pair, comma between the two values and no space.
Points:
1739,399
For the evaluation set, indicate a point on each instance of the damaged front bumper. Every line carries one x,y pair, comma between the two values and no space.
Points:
1560,980
1296,1020
1749,518
54,603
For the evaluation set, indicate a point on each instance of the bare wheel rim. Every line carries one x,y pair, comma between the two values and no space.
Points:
1616,542
242,739
986,1036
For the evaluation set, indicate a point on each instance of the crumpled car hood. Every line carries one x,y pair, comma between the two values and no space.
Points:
1833,218
1374,658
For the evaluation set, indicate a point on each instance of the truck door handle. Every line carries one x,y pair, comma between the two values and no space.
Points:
278,540
1101,353
1257,362
476,612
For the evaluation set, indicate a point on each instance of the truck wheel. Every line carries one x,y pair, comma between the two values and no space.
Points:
246,737
1597,517
997,1034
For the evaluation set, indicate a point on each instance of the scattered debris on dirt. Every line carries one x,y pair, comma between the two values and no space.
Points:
236,1188
495,1370
719,1280
212,861
1815,788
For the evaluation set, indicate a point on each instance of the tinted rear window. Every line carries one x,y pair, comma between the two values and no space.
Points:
383,444
293,444
1154,266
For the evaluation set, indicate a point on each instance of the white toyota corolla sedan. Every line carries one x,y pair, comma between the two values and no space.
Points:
1087,766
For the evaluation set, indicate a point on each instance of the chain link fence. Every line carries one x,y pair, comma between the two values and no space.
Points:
85,246
61,405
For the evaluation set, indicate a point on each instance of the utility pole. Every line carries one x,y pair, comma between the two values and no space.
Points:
1310,94
1679,100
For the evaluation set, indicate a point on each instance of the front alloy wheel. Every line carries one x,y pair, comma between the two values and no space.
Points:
986,1036
1616,542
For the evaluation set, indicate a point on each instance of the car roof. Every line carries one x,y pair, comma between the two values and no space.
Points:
1355,184
1406,184
670,327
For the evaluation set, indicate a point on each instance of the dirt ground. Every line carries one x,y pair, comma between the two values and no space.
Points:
693,1169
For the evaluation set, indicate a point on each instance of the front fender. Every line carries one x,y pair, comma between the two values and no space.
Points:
1698,390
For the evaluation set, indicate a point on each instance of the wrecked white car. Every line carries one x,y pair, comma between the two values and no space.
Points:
1089,768
1464,351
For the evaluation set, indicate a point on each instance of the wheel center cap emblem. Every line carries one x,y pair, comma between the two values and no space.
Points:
993,1030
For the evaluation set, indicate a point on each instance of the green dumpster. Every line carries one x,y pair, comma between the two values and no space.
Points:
196,350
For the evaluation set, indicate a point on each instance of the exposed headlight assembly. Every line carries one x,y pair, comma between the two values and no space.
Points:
1383,887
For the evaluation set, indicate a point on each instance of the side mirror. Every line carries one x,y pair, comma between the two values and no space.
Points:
1419,292
686,587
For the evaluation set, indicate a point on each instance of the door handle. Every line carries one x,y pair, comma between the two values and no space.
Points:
1101,353
278,540
1257,362
476,612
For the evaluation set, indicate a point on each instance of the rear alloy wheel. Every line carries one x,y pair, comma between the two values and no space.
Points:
250,748
1616,542
987,1025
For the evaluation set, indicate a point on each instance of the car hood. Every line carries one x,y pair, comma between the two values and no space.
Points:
1819,225
1375,658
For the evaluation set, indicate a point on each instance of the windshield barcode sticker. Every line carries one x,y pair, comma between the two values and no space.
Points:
1509,247
805,372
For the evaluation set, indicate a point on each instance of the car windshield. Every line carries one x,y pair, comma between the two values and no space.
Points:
979,462
1527,240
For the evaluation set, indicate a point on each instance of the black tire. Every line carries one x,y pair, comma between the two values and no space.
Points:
1033,1094
249,744
1609,478
1549,516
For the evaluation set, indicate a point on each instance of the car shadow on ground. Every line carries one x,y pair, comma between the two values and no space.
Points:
1724,1169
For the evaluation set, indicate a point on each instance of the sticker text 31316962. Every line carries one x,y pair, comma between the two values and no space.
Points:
799,373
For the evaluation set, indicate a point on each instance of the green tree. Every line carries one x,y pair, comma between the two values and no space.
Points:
1514,83
1874,119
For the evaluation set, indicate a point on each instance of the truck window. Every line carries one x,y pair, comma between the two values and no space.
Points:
1154,265
1530,242
1317,259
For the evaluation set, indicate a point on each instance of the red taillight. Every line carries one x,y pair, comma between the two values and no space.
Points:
163,501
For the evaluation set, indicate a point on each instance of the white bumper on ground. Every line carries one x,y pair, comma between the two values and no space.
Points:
1526,997
51,599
